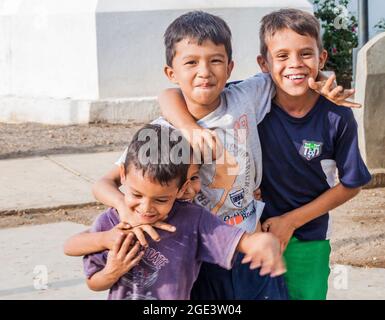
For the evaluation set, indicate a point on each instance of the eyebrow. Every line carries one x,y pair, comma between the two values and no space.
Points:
191,56
285,50
157,197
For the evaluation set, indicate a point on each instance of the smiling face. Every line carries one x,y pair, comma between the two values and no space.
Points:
147,200
194,183
201,71
291,59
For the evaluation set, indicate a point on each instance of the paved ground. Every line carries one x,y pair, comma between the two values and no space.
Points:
32,255
51,181
34,266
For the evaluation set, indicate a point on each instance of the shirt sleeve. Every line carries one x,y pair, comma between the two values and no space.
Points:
257,91
217,241
352,170
95,262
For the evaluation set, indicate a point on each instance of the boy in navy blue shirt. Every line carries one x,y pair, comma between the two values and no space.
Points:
304,139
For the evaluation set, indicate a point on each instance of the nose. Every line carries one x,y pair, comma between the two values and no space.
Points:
295,61
190,190
145,205
204,70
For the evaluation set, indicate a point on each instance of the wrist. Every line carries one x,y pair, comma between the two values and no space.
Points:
111,276
121,207
292,220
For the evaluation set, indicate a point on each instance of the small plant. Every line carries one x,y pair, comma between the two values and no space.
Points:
339,37
380,26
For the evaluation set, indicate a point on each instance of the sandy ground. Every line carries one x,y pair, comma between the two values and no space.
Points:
358,237
26,140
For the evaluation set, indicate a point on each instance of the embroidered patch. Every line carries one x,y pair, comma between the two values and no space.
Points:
237,198
310,149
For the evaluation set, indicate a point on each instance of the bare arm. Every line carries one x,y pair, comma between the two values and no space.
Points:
83,243
124,255
106,190
284,226
262,250
88,242
174,109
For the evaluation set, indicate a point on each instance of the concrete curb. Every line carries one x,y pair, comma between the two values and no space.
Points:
71,111
378,179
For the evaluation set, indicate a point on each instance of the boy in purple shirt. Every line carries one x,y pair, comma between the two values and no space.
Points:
153,179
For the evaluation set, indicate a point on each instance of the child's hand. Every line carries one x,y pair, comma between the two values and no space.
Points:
264,252
281,227
335,94
124,228
258,194
125,254
204,142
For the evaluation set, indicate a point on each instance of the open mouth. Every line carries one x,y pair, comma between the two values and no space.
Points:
295,76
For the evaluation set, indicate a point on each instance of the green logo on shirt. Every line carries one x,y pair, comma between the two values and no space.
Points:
310,149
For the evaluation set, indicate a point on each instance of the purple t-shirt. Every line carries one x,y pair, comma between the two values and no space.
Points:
169,267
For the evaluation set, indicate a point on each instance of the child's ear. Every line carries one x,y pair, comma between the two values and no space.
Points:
122,173
230,68
322,59
263,63
182,190
170,74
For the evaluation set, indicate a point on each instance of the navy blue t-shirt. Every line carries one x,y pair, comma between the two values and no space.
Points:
300,158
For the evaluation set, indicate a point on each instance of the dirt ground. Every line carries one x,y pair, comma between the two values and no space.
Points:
358,236
30,139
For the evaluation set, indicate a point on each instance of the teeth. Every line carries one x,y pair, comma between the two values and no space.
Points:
295,77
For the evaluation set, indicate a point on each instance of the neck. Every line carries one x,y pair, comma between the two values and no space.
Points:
199,111
296,106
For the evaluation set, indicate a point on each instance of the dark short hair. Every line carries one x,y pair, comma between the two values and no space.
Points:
199,26
149,152
301,22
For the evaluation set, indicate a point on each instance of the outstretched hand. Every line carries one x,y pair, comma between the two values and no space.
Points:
334,93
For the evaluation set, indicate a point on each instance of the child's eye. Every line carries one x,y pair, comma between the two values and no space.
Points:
217,61
161,200
194,178
282,57
136,195
306,54
190,63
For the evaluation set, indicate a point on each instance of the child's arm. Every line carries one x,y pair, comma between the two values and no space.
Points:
90,242
262,252
106,190
121,259
284,226
174,109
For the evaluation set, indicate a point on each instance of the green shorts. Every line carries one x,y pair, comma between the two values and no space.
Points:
308,270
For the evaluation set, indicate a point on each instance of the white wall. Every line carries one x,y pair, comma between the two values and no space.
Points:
49,48
130,43
376,12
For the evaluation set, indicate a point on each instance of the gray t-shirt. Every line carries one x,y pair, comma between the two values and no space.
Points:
169,268
228,184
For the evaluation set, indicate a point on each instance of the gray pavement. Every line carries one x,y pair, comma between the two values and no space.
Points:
52,181
33,264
